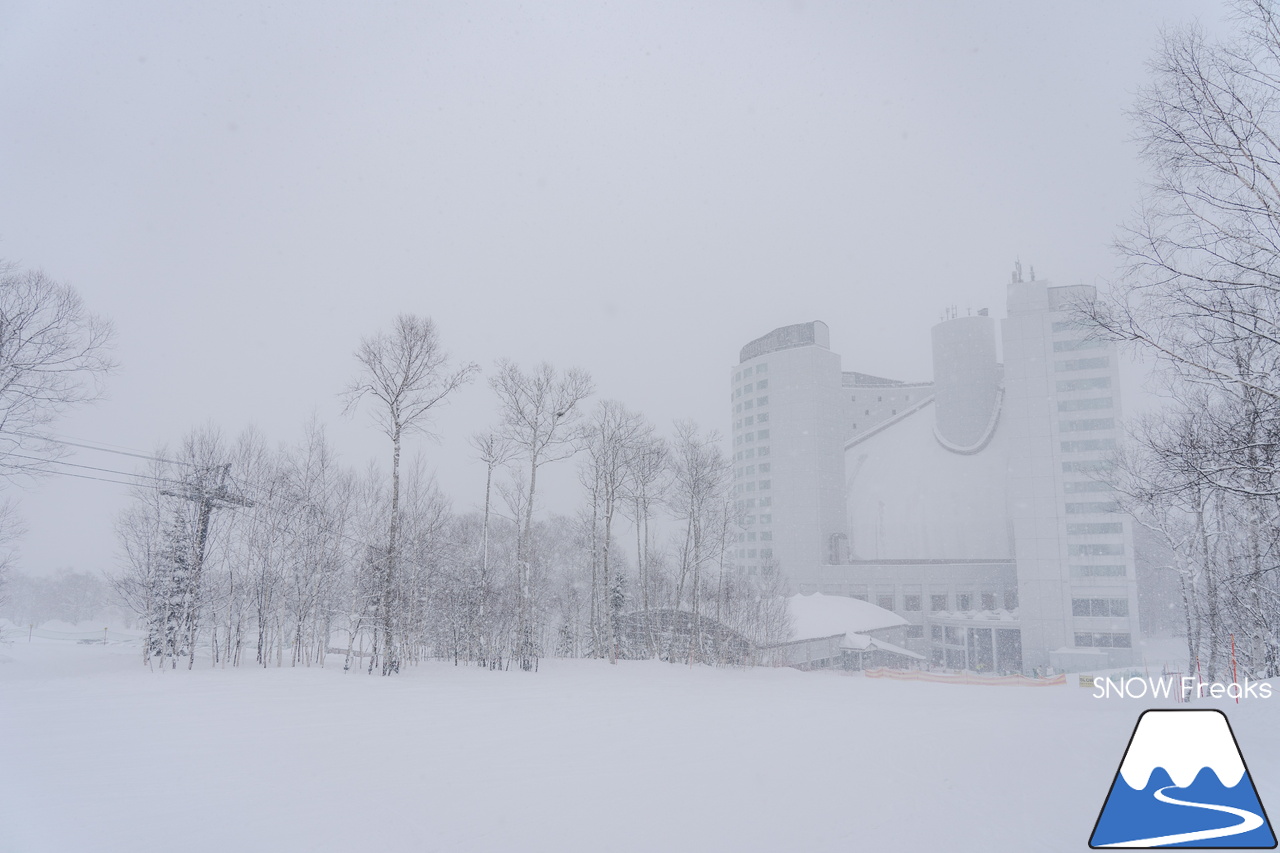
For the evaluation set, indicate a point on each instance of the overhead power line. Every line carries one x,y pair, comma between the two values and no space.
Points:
207,500
93,468
101,447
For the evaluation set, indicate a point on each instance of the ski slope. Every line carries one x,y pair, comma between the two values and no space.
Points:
99,754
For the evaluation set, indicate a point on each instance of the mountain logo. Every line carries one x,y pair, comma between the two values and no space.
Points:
1183,783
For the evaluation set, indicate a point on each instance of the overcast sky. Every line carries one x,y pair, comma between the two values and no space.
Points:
636,189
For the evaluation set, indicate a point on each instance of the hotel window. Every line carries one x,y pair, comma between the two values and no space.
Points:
1082,364
737,377
1095,550
884,601
751,436
915,632
1071,346
764,467
1011,598
766,553
766,502
762,368
766,535
737,410
1086,486
1088,444
1087,425
1093,506
964,601
911,602
1096,571
749,470
762,451
938,602
746,388
763,417
748,420
751,502
751,537
766,518
762,384
1099,527
762,434
1105,641
751,552
762,401
1099,607
748,519
747,404
1084,405
765,484
749,453
1084,384
1087,465
988,601
935,633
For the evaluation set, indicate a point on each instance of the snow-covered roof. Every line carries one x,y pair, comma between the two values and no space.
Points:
818,615
863,643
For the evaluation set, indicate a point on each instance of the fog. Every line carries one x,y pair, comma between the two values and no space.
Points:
635,190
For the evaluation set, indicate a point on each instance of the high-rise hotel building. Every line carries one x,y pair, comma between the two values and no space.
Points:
974,504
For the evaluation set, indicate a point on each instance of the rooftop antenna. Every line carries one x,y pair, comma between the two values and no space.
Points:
1017,271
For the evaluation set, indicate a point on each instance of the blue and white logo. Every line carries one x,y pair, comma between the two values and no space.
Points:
1183,783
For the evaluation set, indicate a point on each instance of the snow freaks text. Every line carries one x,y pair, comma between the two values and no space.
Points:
1178,688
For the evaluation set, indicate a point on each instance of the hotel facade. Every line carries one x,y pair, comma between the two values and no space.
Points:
975,505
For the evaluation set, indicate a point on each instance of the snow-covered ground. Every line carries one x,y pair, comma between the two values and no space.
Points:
99,754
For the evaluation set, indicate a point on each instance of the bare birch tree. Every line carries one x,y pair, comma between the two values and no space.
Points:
406,372
650,470
614,438
541,418
700,483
